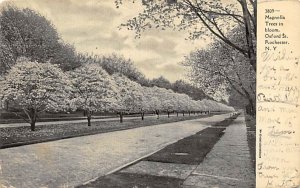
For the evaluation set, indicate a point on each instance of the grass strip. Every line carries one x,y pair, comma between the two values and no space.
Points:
128,180
8,121
18,136
191,150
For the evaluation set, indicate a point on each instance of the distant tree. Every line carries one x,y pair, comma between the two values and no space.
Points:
26,33
116,64
93,89
65,57
119,64
161,82
181,86
35,87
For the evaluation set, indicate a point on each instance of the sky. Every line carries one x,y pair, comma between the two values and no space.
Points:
92,27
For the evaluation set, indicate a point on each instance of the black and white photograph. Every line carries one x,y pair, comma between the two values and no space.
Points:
128,93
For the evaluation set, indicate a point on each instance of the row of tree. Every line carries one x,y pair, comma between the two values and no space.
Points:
36,87
114,63
228,65
26,33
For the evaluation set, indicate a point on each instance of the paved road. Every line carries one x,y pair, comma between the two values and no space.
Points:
70,162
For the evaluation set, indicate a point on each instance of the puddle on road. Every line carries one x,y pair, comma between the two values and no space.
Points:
181,154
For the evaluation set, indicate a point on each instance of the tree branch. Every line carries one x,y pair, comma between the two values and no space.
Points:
244,52
230,80
235,16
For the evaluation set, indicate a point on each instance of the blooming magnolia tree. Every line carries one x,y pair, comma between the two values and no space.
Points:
168,101
183,102
93,90
202,106
146,102
131,96
153,100
35,87
194,107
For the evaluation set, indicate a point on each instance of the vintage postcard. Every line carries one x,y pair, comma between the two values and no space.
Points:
149,94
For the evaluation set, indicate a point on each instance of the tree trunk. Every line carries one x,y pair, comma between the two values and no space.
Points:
177,114
31,114
142,115
182,113
157,113
189,113
32,125
248,31
168,114
89,117
251,108
121,117
7,106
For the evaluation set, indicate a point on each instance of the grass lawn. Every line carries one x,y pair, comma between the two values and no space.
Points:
193,149
17,136
190,150
127,180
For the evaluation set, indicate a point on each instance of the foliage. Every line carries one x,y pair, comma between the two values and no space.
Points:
94,90
202,19
217,69
118,64
152,98
131,95
194,92
35,87
161,82
26,33
29,48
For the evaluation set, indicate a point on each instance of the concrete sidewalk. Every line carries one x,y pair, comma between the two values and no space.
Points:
228,164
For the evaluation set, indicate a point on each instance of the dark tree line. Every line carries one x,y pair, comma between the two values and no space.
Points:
26,33
180,86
